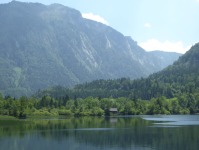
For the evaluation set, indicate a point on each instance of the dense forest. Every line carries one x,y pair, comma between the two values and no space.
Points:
171,82
175,90
47,106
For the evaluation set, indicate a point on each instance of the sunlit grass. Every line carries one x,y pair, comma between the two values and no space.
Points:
7,117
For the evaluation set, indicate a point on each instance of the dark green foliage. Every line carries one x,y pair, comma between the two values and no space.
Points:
22,114
107,113
188,103
99,98
173,81
51,102
27,64
76,102
179,80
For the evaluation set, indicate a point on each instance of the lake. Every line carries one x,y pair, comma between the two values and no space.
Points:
161,132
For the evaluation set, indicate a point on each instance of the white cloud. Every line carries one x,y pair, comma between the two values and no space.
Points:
147,25
95,18
167,46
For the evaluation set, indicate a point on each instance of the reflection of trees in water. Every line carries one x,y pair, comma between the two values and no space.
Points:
124,133
182,138
139,133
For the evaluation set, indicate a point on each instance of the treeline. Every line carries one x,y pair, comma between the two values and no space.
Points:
172,91
143,88
47,106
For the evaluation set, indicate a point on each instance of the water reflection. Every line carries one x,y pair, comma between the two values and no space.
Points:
102,133
178,120
113,120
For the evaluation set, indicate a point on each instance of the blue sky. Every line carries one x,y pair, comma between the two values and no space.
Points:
169,25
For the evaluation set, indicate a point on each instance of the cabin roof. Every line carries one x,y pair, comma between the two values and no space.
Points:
113,109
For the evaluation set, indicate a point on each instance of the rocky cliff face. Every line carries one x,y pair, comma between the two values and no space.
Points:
43,46
167,58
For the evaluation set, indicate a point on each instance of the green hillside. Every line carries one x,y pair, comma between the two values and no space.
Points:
45,46
173,81
175,90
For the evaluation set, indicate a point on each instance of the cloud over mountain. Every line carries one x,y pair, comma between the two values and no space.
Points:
95,18
167,46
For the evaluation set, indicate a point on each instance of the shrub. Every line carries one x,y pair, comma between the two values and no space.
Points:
64,112
100,112
185,111
22,114
5,112
132,111
84,113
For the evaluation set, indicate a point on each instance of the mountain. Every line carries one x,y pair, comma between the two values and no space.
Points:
44,46
174,81
167,58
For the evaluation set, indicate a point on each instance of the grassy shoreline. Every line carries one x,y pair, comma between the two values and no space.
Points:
7,117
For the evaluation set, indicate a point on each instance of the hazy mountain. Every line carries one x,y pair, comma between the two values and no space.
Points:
44,46
167,58
173,81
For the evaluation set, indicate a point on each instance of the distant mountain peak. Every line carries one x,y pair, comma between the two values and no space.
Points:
43,46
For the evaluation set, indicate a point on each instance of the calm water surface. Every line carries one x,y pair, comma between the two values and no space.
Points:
162,132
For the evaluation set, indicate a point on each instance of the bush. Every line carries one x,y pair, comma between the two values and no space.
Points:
64,112
37,113
192,111
95,111
132,111
54,112
77,113
100,112
5,112
138,112
185,111
46,113
22,114
84,113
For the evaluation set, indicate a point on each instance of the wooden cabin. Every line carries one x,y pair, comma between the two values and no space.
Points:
113,110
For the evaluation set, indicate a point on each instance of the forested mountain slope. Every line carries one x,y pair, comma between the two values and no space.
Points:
44,46
173,81
167,58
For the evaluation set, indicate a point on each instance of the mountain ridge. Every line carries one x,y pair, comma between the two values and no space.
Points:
43,46
176,80
167,58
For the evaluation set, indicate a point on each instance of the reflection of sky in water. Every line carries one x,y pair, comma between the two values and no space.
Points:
68,144
95,129
168,126
62,130
157,132
100,129
173,120
45,119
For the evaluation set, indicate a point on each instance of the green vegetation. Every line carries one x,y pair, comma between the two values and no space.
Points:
7,117
45,46
188,103
171,91
179,83
175,90
174,81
